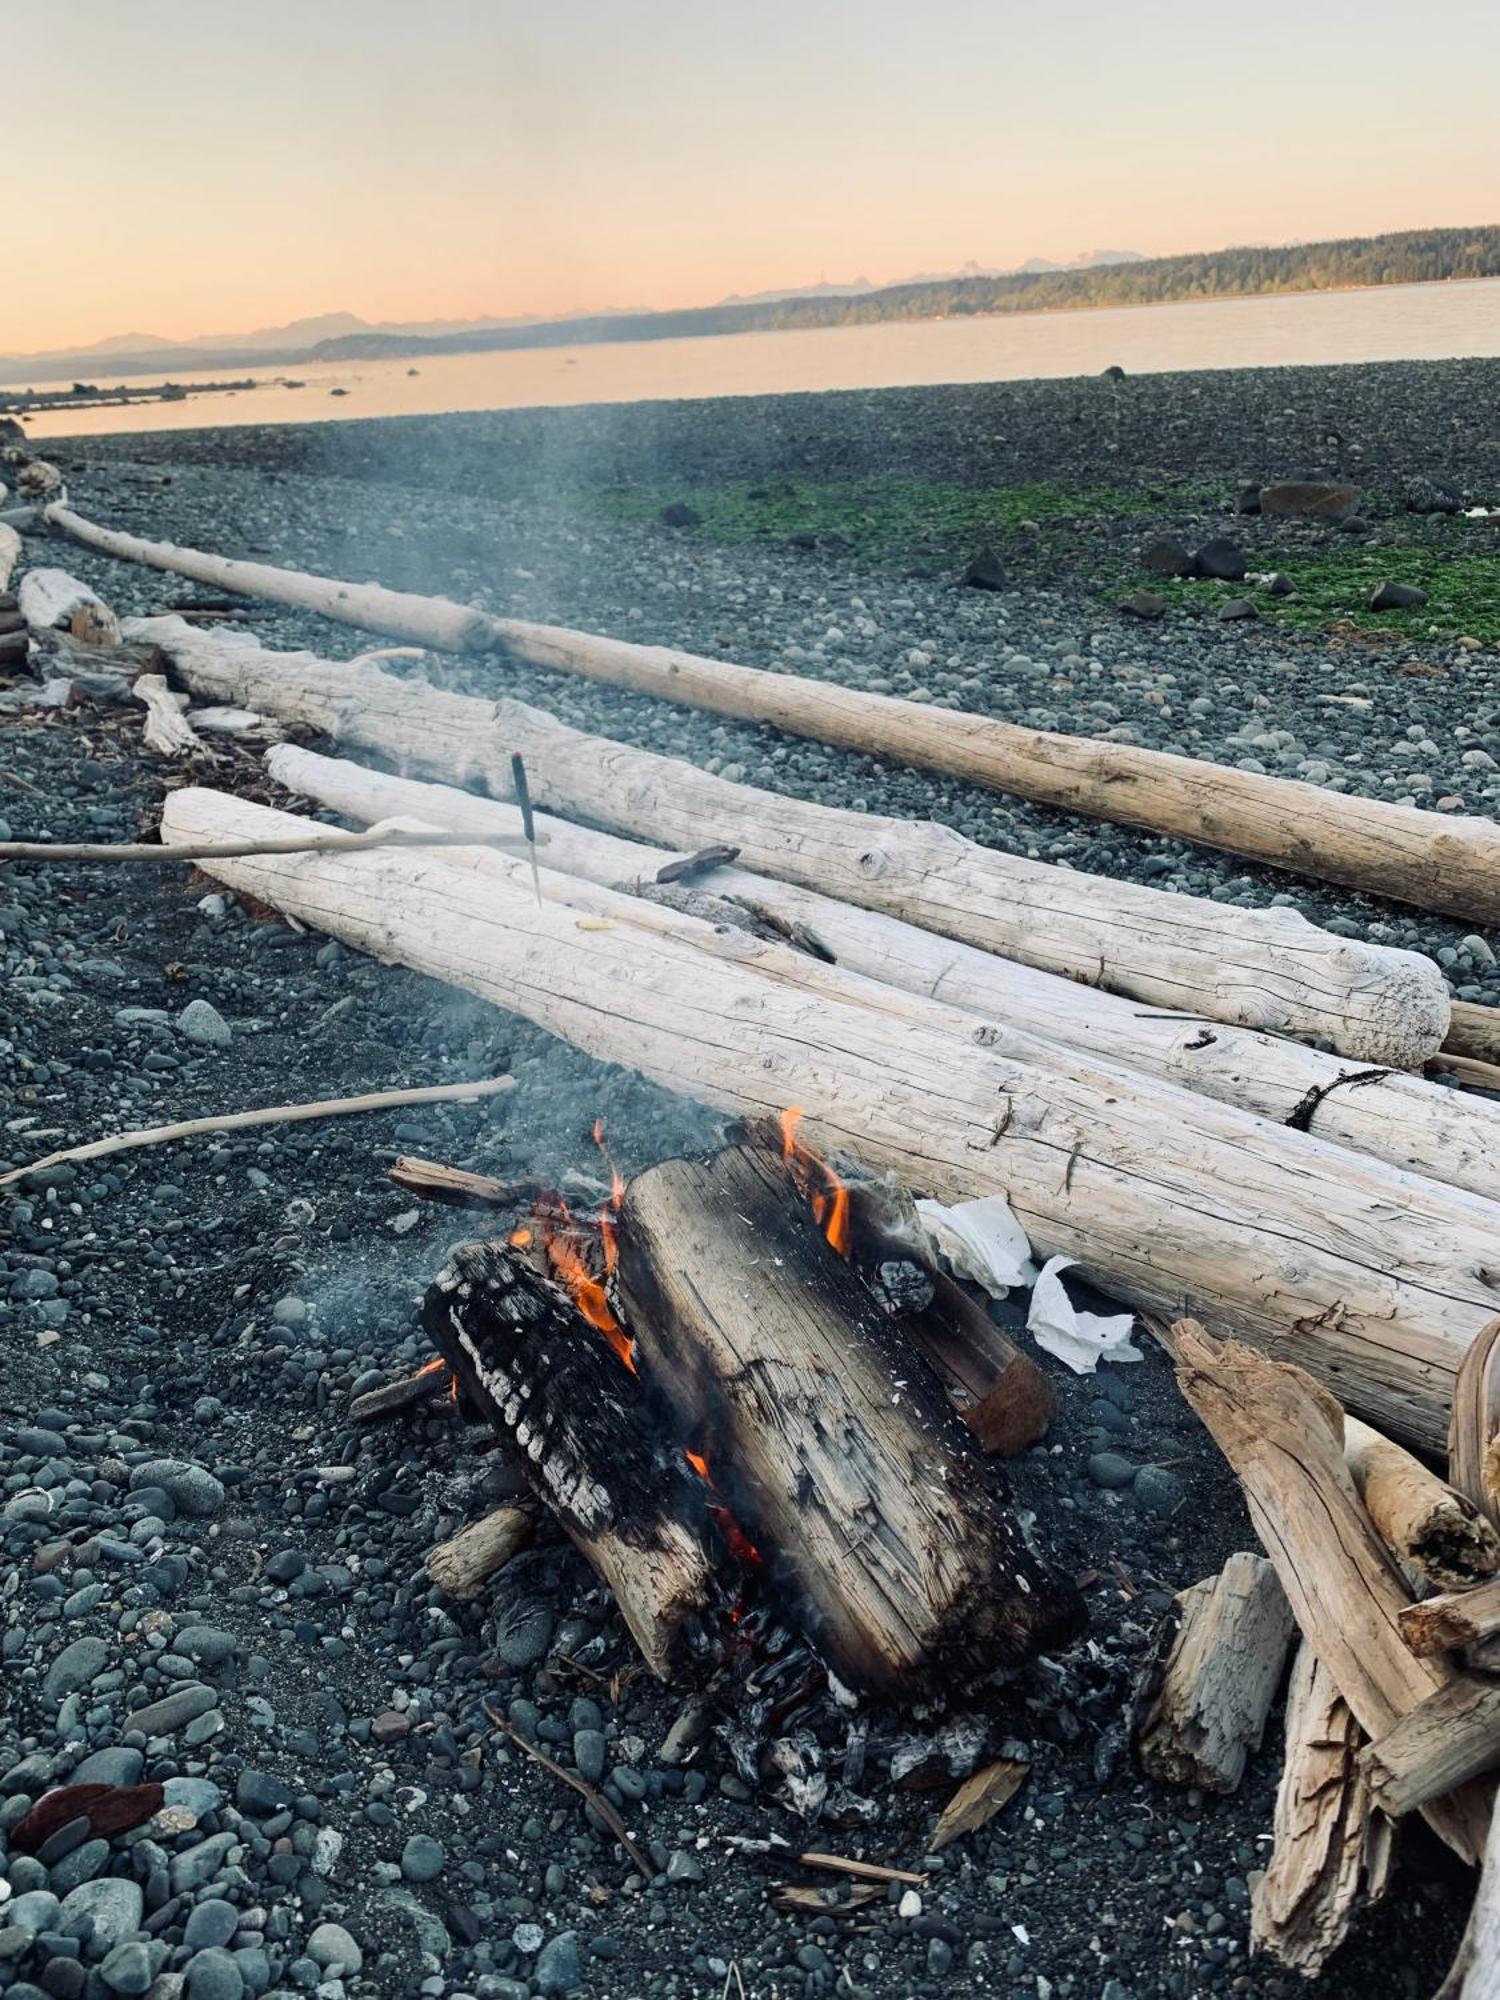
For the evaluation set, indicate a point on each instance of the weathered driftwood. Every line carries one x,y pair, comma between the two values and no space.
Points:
167,730
586,1435
1260,968
1441,1133
1333,1848
1281,1434
276,1114
464,1564
1444,1742
1451,864
1233,1632
1474,1428
1473,1031
1439,1537
315,840
885,1530
1465,1617
10,554
1375,1278
456,1187
1475,1972
51,599
407,1392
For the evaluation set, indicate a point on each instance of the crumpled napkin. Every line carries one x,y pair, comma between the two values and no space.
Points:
1080,1339
982,1242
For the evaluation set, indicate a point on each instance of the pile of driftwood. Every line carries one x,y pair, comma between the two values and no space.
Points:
1219,1113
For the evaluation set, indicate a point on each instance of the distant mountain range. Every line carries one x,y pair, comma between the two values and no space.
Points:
1097,278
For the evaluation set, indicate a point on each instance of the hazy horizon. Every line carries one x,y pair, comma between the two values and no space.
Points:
471,160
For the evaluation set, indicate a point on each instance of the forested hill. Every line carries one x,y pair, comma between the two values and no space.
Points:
1411,257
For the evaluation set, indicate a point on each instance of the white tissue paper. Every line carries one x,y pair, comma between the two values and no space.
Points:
1080,1339
982,1242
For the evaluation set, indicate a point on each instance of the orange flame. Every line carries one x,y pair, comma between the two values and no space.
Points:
817,1183
562,1238
739,1544
520,1239
609,1213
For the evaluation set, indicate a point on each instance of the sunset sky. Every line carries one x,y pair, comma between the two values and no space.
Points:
179,167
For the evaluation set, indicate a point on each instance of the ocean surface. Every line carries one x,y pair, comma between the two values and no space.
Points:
1385,323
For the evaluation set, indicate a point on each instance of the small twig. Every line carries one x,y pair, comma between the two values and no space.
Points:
457,1187
239,1121
393,1397
234,850
865,1871
584,1790
688,867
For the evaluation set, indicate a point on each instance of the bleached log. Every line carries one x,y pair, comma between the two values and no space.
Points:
1221,1676
168,731
1439,1537
464,1564
1473,1031
10,554
1375,1278
52,600
1410,1123
1333,1848
1451,864
1474,1427
1259,968
1281,1434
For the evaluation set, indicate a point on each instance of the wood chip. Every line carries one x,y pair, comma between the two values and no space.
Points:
976,1801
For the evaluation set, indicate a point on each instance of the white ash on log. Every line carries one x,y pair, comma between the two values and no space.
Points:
833,1444
587,1436
1333,1848
1398,851
1260,968
1377,1280
1447,1135
1439,1537
1233,1633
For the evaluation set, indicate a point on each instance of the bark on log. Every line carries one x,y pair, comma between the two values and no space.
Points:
1449,864
1232,1637
1378,1280
1260,968
1279,1432
1460,1618
1333,1848
1474,1427
1446,1741
587,1437
1401,1119
464,1564
884,1529
1440,1539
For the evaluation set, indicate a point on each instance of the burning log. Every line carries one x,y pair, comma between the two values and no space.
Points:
1445,1134
464,1564
832,1443
1163,1197
1439,1537
1259,968
1209,1712
405,1393
1333,1847
1361,843
587,1435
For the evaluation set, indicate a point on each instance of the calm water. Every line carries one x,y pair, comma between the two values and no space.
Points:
1389,323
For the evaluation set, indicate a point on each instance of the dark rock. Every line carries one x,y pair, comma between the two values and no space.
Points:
1157,1490
1144,604
75,1666
1356,524
679,515
559,1967
1249,500
1427,496
985,572
1109,1470
1309,500
258,1794
1222,557
1396,597
422,1858
1114,372
1165,556
1278,585
1237,607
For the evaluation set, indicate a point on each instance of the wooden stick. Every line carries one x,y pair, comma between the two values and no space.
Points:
1459,1618
1474,1427
1444,1742
233,850
1451,865
1233,1634
1279,1432
1430,1130
862,1871
464,1564
1333,1849
1439,1537
405,1393
1267,969
457,1188
1375,1277
279,1114
585,1791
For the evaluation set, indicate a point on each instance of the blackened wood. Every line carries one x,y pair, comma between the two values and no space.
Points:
832,1442
591,1439
404,1394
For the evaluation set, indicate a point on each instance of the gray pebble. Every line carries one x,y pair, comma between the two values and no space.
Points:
201,1023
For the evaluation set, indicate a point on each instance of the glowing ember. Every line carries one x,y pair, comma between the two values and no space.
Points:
817,1183
564,1239
738,1543
520,1239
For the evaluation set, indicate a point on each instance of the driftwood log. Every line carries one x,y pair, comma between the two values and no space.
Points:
1259,968
1452,864
1439,1537
10,554
1376,1279
52,600
1282,1434
1333,1848
167,730
1444,1742
1475,1972
1474,1428
1459,1618
1233,1633
876,1517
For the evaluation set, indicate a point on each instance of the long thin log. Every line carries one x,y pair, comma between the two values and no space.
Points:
1259,968
1444,1742
1333,1848
1458,1618
322,842
1393,1117
1378,1280
1279,1433
1438,1536
276,1114
1449,864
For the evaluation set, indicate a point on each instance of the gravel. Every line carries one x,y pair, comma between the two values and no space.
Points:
219,1582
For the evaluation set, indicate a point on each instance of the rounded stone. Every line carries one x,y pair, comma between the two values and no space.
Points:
213,1975
422,1858
331,1947
211,1922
